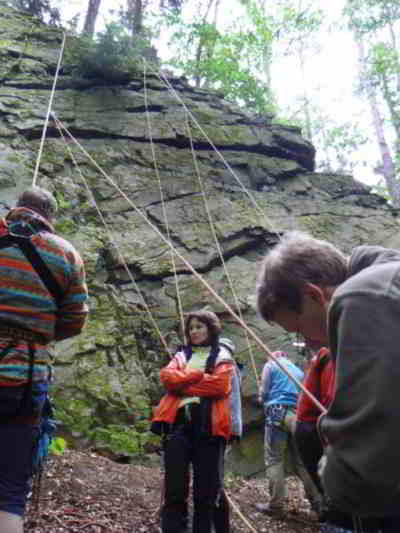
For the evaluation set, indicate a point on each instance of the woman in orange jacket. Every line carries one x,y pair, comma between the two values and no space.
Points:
195,418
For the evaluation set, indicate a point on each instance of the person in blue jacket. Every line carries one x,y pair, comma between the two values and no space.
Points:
278,394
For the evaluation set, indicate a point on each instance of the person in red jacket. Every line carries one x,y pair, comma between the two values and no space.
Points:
196,421
350,304
319,381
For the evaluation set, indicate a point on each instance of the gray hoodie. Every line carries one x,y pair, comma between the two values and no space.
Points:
362,473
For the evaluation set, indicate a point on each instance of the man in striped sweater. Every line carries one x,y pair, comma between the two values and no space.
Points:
43,298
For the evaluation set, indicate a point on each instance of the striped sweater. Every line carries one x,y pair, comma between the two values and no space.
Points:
25,300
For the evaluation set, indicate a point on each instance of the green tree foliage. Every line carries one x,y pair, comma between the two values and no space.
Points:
221,60
112,55
375,24
43,9
337,143
297,26
371,15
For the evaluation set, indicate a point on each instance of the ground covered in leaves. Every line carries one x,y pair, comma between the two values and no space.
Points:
84,492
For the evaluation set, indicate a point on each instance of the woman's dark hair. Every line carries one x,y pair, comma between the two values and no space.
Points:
208,318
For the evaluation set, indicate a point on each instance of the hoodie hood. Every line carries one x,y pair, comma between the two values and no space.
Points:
22,220
366,256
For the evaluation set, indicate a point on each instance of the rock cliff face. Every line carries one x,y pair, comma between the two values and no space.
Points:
257,180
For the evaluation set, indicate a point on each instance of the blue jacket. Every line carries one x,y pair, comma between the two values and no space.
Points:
236,403
276,386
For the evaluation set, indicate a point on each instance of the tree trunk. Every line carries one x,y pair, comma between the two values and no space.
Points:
267,63
266,52
388,166
202,44
91,16
393,41
135,17
306,100
394,104
35,7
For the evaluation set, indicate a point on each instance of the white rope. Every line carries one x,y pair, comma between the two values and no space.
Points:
46,122
220,253
226,306
178,295
239,512
112,240
230,502
267,220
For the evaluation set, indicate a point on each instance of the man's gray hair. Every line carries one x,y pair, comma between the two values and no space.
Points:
296,260
39,200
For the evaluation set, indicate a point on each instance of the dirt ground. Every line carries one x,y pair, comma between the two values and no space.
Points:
84,492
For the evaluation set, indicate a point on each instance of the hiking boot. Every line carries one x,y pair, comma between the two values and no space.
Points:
268,509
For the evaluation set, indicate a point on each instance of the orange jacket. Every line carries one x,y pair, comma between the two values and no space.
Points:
181,381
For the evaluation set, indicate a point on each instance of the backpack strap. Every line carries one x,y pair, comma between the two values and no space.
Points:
52,285
34,258
26,407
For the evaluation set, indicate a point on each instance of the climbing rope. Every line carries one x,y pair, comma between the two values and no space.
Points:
174,251
226,306
178,296
167,240
217,244
268,223
211,223
239,513
46,122
188,114
59,127
112,240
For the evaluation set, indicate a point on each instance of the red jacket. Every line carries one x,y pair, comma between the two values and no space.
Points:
181,381
320,381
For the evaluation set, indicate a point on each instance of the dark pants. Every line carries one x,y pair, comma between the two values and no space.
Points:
18,433
185,446
222,514
310,449
16,450
390,524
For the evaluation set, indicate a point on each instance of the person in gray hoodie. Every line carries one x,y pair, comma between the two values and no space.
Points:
351,304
